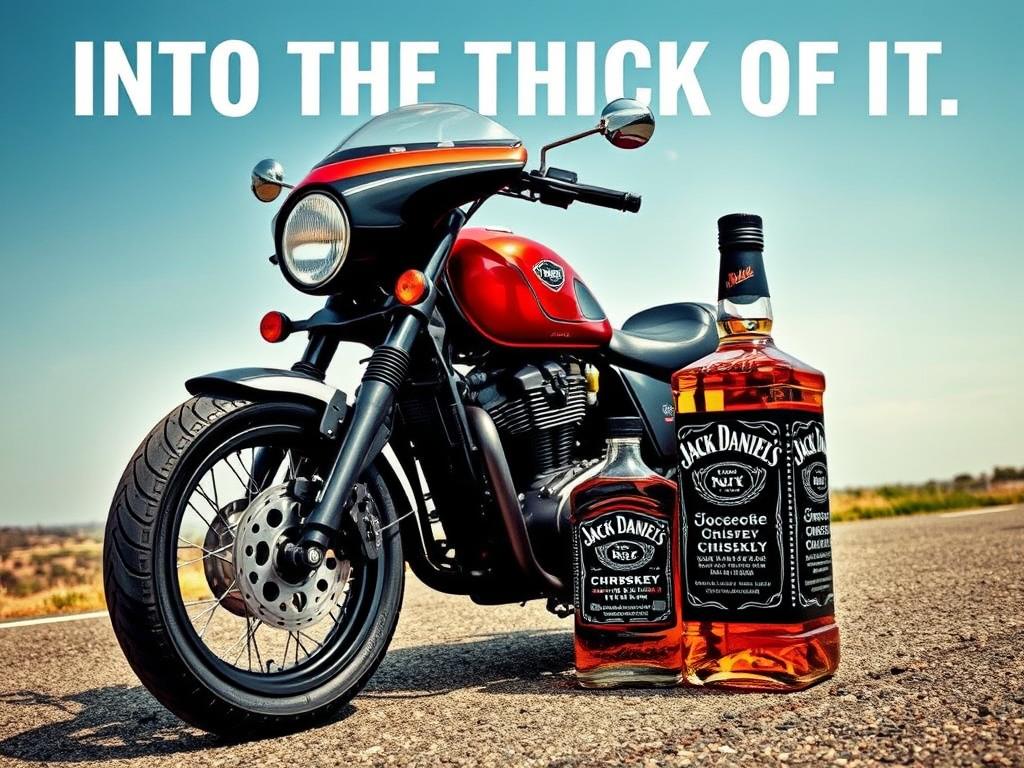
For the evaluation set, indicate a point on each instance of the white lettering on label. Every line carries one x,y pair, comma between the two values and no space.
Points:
728,439
619,525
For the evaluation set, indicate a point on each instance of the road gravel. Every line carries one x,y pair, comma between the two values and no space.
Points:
931,611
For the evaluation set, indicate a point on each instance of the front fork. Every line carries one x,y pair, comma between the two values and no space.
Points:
369,427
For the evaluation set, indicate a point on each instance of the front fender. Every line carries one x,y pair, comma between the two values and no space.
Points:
262,384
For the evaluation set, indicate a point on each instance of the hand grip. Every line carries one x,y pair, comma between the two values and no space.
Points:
562,193
608,198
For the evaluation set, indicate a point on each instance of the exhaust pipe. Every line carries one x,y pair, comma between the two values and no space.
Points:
487,439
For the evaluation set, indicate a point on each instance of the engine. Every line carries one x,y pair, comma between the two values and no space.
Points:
538,410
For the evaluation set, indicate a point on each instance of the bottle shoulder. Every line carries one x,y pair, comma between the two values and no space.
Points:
743,356
748,373
598,495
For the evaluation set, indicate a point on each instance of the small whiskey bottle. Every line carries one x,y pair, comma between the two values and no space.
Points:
625,541
758,603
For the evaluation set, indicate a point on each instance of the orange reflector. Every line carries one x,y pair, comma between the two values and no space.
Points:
275,327
411,286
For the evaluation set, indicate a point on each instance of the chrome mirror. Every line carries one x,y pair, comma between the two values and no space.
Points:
627,124
268,180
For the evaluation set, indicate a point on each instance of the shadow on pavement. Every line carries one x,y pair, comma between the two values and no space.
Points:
523,662
110,723
120,722
505,660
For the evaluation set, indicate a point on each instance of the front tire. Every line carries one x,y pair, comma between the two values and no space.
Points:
144,599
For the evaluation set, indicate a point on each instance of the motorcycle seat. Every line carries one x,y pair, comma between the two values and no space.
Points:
661,340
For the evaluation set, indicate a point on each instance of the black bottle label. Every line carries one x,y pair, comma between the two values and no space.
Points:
741,276
623,569
755,529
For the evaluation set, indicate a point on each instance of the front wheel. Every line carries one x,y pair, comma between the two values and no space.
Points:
205,618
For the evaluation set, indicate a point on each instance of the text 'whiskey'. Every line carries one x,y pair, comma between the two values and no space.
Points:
626,585
758,601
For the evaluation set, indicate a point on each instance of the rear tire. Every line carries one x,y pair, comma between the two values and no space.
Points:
149,628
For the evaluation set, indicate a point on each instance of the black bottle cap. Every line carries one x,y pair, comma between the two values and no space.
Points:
624,426
741,230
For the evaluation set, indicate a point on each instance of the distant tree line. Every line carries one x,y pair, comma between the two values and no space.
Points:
999,475
1007,473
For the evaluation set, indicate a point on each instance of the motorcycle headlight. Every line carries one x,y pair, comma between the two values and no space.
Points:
315,240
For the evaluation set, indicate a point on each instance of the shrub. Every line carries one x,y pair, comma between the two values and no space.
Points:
65,600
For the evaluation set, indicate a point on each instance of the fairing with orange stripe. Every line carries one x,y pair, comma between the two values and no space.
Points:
395,196
392,187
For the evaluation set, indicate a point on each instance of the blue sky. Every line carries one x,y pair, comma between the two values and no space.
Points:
134,255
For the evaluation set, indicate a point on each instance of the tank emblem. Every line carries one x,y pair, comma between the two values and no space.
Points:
551,274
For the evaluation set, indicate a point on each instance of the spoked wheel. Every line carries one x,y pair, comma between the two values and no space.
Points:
212,625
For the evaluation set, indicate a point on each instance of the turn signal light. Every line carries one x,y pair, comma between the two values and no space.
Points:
275,327
410,287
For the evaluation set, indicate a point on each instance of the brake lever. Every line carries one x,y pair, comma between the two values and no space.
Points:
549,195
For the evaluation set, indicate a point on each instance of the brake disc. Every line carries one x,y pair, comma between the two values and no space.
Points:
270,521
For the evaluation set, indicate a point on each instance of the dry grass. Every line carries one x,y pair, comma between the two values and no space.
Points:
895,500
53,601
52,572
49,572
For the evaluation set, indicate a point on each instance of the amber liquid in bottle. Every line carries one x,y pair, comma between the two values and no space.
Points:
625,542
749,378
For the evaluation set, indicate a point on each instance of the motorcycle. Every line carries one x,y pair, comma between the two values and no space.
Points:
255,552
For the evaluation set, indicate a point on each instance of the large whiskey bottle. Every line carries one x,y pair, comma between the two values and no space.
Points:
625,539
758,602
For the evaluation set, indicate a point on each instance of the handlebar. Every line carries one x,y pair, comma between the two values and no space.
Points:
560,188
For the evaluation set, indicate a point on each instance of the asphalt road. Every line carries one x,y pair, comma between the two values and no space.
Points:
931,611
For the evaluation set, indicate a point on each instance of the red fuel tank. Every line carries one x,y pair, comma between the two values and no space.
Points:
519,293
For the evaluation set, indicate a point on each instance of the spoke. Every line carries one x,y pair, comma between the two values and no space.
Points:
252,468
248,643
202,492
340,608
213,479
287,643
215,600
250,627
213,505
212,553
237,643
298,643
249,470
256,645
209,619
209,610
190,603
200,514
249,485
192,544
311,639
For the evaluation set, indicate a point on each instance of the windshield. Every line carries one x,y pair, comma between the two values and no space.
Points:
436,125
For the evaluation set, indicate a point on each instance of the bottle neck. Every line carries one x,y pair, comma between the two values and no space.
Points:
744,303
622,458
744,320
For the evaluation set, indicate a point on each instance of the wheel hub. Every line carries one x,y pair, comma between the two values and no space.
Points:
269,522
